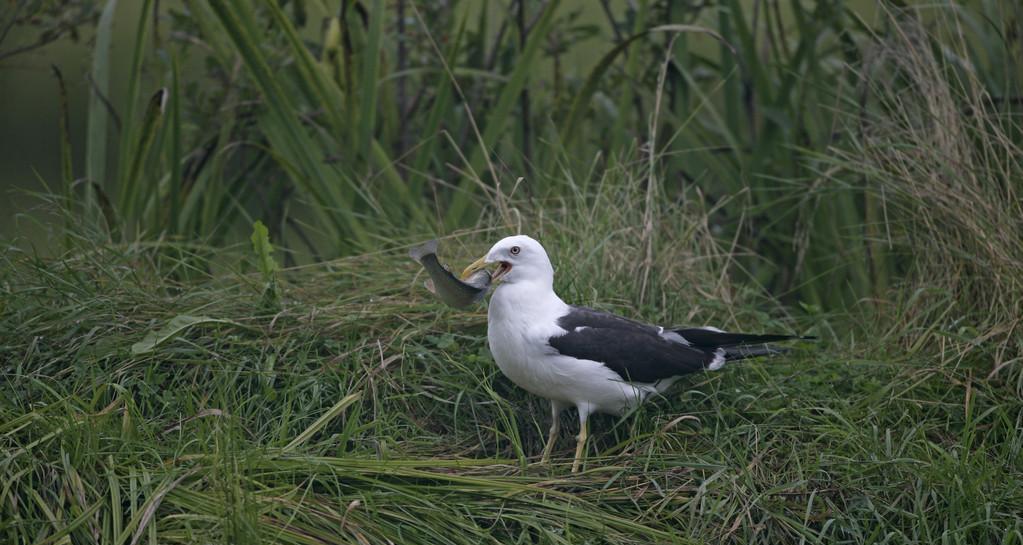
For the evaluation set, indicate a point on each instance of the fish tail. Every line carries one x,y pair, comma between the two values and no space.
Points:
423,250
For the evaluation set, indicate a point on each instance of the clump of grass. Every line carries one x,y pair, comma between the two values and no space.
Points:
943,166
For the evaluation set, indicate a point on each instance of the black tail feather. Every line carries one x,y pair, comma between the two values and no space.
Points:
709,338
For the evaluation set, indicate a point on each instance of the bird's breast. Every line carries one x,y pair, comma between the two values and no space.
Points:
521,351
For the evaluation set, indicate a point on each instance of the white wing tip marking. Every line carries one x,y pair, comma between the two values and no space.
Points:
719,360
673,337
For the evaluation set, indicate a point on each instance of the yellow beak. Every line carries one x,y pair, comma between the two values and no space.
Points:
480,263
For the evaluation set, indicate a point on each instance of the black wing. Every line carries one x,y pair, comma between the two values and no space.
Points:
634,350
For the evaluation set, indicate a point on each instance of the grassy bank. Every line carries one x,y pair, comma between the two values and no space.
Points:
809,171
361,410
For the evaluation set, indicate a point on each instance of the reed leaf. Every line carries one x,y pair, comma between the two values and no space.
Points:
99,114
130,155
132,191
368,82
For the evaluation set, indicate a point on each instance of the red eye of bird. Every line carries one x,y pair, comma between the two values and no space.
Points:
515,250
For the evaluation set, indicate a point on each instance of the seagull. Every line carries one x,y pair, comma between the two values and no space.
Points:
593,360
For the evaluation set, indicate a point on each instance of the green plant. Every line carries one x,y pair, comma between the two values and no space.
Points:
294,117
271,298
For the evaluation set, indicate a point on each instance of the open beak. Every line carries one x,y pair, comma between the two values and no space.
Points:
481,263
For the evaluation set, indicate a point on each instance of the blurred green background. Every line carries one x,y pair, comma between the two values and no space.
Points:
29,98
345,126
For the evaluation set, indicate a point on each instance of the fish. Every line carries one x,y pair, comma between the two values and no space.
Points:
446,286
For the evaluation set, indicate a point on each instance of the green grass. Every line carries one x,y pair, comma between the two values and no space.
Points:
189,361
364,411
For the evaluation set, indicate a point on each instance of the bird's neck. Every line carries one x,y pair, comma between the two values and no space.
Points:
530,301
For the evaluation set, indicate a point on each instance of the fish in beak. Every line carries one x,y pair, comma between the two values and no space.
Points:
443,284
